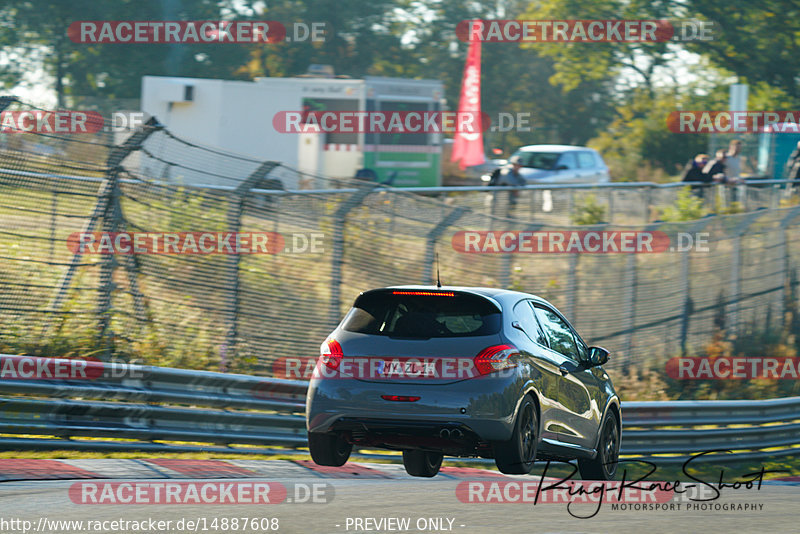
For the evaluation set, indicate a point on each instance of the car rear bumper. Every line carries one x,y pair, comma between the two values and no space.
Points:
455,439
483,407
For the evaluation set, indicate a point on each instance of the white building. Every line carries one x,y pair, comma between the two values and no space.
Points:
238,117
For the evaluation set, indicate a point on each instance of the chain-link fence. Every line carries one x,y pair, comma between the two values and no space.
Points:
242,311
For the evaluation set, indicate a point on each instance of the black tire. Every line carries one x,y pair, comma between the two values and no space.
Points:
604,465
328,449
516,456
422,463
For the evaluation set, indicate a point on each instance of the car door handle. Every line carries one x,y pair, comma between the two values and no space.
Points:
564,370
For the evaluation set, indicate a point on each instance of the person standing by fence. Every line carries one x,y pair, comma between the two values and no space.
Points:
693,173
733,162
792,171
509,176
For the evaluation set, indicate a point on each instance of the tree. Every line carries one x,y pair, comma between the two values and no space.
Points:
110,70
360,37
758,41
576,63
513,79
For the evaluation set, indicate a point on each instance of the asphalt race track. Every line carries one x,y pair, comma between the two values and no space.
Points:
359,497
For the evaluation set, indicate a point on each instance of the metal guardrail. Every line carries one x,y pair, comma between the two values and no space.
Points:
133,407
147,404
427,190
673,431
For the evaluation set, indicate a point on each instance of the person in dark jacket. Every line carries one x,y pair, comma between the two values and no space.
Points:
693,171
509,175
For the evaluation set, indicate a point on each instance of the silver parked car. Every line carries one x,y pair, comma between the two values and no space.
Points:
462,371
544,164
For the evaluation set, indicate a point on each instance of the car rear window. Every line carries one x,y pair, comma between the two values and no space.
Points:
422,315
538,160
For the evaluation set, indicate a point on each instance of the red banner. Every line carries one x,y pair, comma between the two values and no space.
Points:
468,146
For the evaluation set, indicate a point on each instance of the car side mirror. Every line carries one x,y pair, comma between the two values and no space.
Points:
598,355
561,168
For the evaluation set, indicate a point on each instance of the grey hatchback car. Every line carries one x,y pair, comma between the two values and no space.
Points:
462,371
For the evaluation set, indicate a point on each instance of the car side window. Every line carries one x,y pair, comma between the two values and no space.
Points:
524,314
558,332
585,160
583,350
568,160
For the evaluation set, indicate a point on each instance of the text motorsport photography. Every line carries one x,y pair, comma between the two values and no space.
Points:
586,499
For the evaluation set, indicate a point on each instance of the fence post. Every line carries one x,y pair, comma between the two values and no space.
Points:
235,208
714,197
572,287
234,222
610,205
786,266
337,259
430,242
505,271
533,202
490,214
104,195
392,214
111,215
632,281
140,306
686,286
631,276
570,205
736,269
774,196
53,216
108,263
505,280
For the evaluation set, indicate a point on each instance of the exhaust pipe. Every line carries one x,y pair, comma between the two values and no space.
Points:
454,433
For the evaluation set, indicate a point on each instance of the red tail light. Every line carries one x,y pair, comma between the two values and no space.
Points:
400,398
330,353
495,358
